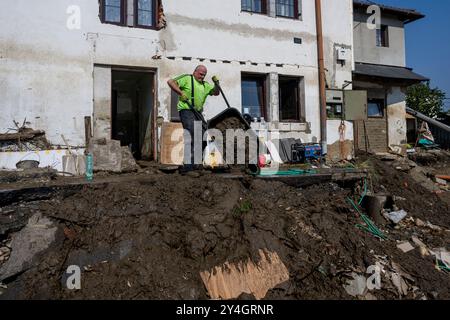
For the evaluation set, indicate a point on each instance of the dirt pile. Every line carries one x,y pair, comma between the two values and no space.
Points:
245,142
151,240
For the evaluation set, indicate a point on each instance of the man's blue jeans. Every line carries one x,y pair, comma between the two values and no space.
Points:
188,119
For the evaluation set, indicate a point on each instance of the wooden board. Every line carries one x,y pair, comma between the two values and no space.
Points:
229,281
172,143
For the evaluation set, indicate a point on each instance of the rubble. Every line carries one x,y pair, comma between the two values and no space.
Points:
23,139
152,239
109,156
37,236
405,246
396,216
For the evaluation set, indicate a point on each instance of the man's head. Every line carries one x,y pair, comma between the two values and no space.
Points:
200,73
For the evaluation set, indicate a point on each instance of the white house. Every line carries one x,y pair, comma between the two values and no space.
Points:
62,61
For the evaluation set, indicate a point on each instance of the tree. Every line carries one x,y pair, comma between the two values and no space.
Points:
422,98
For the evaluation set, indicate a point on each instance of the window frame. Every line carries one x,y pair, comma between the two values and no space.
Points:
383,106
300,118
123,13
248,76
296,11
264,6
383,32
154,16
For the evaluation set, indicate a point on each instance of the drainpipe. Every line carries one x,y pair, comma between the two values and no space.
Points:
323,106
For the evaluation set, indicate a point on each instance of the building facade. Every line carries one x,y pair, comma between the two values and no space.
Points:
110,59
62,61
380,69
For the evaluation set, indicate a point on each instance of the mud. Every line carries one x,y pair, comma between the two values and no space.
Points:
248,148
151,240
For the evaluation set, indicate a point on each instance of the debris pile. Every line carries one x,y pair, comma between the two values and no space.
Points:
23,139
180,237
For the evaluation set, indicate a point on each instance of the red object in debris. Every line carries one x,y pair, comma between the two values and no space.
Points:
447,178
264,160
261,161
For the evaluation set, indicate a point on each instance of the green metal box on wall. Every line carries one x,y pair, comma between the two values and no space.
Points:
355,104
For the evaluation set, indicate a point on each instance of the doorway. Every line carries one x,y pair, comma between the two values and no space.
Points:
133,111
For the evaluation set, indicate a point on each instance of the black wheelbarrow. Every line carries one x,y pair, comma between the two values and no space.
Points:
231,118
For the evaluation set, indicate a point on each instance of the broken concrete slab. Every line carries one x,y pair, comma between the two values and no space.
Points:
128,162
107,155
110,156
405,246
36,237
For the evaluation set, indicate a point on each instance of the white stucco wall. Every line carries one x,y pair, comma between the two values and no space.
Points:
396,117
366,49
337,19
47,71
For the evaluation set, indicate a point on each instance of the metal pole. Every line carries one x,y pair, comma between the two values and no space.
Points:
428,119
322,94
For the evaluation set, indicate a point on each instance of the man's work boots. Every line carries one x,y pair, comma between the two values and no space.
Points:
190,169
184,169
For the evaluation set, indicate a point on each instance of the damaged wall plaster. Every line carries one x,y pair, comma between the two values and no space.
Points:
49,70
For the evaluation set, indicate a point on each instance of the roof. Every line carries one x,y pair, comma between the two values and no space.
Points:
387,72
406,15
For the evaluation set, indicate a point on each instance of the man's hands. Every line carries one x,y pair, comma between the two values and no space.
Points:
184,97
215,79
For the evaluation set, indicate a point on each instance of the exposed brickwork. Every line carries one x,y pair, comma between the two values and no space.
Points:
376,132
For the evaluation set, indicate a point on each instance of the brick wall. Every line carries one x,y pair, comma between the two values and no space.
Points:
376,132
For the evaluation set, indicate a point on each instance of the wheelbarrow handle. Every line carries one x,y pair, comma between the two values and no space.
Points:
223,94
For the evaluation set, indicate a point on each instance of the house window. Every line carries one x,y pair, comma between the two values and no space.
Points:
145,13
257,6
289,93
113,11
383,36
375,108
254,95
287,8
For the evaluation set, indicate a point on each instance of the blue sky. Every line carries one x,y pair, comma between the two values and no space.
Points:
428,40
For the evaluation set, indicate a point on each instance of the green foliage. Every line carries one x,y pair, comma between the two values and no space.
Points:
426,100
243,207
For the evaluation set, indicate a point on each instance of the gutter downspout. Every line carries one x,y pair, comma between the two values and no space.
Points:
323,107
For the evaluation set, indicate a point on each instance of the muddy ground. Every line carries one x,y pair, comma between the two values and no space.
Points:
150,240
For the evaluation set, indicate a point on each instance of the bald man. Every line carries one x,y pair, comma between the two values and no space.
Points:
192,91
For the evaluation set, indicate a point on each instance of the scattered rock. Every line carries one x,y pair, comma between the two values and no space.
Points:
37,236
420,223
396,216
440,181
405,246
433,227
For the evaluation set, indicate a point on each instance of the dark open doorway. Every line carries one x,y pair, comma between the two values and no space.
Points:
132,111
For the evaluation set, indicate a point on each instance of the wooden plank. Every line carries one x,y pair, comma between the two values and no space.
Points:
230,280
87,130
25,135
172,147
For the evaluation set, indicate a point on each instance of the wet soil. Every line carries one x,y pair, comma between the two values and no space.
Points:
150,240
